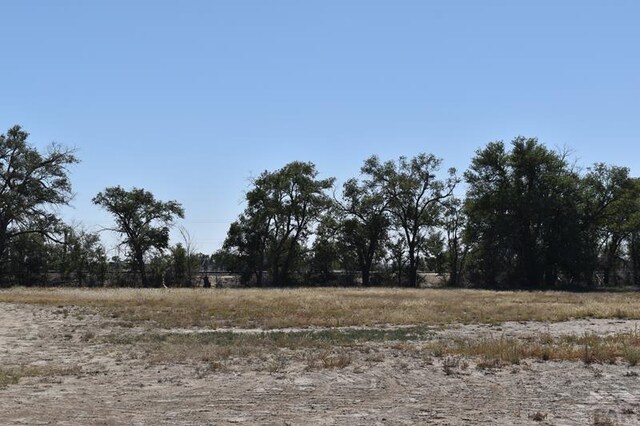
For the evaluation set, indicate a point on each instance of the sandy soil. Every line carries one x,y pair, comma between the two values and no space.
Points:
398,388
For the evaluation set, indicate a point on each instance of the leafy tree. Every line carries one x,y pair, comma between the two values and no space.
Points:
364,224
611,202
453,224
159,267
327,252
193,259
415,196
180,262
396,249
81,257
28,259
245,248
434,258
525,218
281,209
184,264
142,220
31,183
633,237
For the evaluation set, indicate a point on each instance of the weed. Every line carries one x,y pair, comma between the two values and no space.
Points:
340,360
439,349
449,364
631,354
377,357
602,419
12,375
538,416
489,364
588,356
597,372
89,335
328,359
277,364
208,368
427,360
546,353
8,377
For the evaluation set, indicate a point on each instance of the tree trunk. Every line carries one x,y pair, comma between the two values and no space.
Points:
4,243
141,269
366,275
413,267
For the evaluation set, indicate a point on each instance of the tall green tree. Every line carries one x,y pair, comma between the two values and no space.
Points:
415,198
525,219
327,252
364,224
281,209
612,207
245,248
184,264
633,237
454,223
80,257
28,259
31,184
143,221
396,250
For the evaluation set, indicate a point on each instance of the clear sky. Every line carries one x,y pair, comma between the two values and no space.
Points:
189,99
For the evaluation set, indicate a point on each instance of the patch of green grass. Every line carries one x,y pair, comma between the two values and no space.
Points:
11,375
8,377
281,339
218,347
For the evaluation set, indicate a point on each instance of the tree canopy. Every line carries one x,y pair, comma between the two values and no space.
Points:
142,220
530,218
281,209
31,184
415,198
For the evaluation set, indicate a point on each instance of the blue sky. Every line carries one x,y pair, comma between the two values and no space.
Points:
190,99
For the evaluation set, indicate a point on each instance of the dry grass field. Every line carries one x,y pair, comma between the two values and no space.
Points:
318,356
331,307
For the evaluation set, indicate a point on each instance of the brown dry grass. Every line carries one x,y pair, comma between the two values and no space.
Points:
273,308
496,352
336,348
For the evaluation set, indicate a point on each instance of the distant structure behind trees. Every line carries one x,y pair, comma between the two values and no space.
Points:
530,219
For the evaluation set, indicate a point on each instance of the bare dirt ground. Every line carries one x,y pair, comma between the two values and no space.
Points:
84,379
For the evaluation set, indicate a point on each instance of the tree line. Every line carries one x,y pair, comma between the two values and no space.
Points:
529,218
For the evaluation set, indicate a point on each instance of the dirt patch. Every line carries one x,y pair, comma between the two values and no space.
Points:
83,379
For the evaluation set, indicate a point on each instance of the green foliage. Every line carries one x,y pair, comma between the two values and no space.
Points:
28,259
364,224
272,232
142,220
454,224
327,253
612,205
524,218
184,264
31,183
414,197
530,219
535,222
81,257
